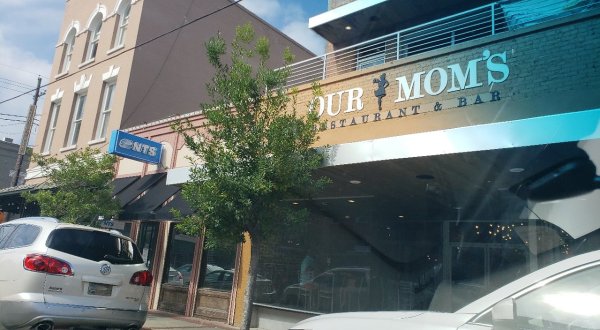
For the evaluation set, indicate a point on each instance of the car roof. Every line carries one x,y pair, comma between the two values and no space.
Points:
530,280
49,222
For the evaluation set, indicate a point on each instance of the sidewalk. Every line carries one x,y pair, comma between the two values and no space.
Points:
158,320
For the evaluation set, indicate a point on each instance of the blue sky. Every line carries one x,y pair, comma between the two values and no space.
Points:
29,34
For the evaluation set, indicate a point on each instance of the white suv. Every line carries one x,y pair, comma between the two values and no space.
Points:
63,275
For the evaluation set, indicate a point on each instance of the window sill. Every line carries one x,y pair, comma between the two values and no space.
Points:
62,74
97,141
114,50
43,154
91,60
73,147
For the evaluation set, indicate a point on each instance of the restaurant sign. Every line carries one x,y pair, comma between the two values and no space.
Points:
436,81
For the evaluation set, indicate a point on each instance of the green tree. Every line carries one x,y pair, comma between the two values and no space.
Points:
253,152
82,188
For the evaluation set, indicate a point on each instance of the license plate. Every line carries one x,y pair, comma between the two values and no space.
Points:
99,289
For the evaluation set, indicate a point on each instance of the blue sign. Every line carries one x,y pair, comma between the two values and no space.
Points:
134,147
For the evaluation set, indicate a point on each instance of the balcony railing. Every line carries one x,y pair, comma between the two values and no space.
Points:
488,20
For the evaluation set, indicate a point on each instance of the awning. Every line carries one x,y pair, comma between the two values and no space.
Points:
121,183
137,187
152,194
177,203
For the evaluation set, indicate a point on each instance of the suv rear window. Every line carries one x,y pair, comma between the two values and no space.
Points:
94,245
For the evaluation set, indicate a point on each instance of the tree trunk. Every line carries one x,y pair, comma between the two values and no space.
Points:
252,272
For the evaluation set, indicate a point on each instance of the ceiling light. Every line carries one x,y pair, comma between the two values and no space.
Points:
516,170
348,28
355,182
351,201
295,203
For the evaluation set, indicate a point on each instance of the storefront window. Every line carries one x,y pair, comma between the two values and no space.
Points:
147,241
178,271
436,232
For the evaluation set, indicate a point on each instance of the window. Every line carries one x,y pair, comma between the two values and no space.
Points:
54,109
104,116
570,302
123,21
95,245
22,236
5,232
76,120
69,45
93,38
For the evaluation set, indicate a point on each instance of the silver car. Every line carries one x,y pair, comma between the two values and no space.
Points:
63,275
565,295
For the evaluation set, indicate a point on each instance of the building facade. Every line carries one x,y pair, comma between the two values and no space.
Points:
462,145
122,64
463,151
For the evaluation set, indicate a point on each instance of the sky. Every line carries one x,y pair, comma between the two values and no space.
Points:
29,33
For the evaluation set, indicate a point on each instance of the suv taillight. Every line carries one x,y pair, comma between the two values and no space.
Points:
46,264
143,278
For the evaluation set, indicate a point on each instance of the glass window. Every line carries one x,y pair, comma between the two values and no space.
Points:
123,21
76,116
54,110
435,232
68,48
5,231
95,245
105,109
93,38
147,241
570,302
23,235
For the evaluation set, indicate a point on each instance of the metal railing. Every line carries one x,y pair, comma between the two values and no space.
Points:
488,20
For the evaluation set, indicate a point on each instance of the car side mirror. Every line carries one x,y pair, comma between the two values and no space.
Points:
504,314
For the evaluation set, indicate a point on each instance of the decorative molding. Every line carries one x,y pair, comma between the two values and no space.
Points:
57,95
111,74
82,85
99,9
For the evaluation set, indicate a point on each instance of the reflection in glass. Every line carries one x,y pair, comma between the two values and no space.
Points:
435,232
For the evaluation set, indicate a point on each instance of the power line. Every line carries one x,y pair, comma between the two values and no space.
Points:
15,83
15,68
233,3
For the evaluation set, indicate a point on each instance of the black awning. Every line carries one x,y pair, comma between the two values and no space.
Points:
136,188
155,195
121,183
177,203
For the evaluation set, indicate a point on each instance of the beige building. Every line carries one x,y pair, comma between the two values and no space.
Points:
122,63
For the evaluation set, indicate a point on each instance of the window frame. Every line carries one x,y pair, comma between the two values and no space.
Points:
69,47
94,32
51,129
76,119
108,94
124,15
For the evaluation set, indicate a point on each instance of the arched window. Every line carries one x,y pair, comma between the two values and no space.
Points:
93,37
68,47
123,17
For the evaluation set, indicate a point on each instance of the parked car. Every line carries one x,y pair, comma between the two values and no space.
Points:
175,276
64,275
565,295
186,271
337,289
223,280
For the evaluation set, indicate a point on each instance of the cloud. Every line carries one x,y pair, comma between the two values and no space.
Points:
268,10
305,36
28,34
291,18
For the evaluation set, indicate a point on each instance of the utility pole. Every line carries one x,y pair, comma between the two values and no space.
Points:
26,134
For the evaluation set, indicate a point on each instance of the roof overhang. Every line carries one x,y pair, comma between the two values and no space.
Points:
362,20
